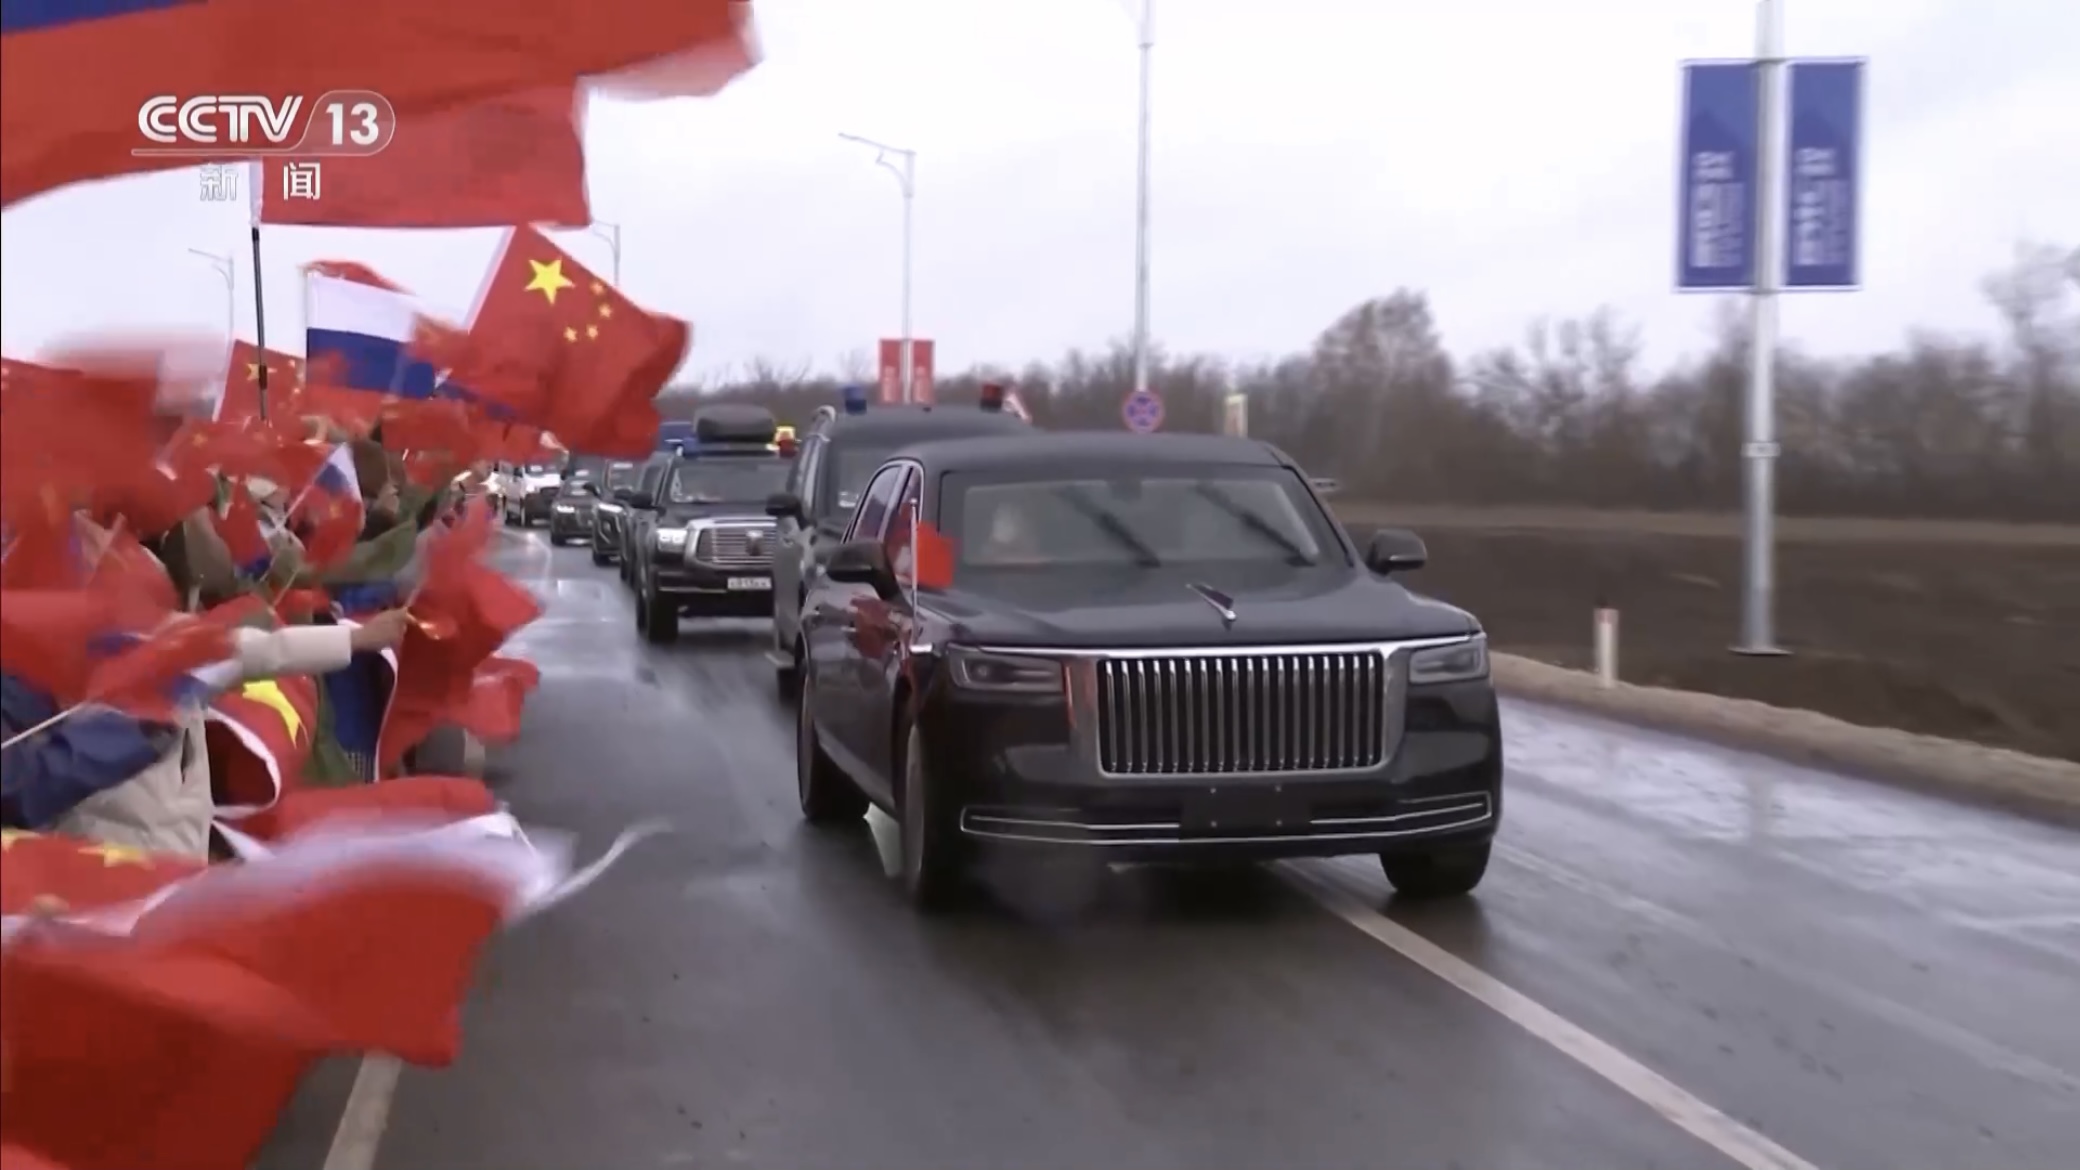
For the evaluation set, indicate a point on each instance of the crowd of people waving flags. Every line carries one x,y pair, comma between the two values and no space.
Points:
244,623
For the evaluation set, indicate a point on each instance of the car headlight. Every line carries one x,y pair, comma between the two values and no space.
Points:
1459,662
671,539
609,509
566,509
980,671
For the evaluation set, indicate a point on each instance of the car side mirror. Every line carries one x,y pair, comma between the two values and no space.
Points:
862,562
1395,550
643,500
784,506
625,495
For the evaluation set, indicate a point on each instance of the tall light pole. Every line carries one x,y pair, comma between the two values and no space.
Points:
1759,452
1147,38
611,233
903,165
227,269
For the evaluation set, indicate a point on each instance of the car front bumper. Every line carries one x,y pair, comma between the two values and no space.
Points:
567,525
713,591
1027,776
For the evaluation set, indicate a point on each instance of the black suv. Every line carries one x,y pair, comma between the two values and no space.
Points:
840,452
604,533
700,543
1141,648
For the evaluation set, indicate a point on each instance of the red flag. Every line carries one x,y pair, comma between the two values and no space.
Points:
239,528
510,158
70,436
259,739
497,695
241,398
64,122
438,798
153,678
54,874
568,352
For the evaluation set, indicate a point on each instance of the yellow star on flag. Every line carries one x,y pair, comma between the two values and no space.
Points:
606,310
268,693
9,836
549,279
114,855
570,334
252,371
592,332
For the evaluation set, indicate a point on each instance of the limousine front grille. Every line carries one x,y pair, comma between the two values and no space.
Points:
1238,714
730,548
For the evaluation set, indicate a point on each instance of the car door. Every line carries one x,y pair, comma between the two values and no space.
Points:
831,625
881,626
794,566
642,514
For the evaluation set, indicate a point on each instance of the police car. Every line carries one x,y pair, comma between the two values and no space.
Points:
698,542
839,453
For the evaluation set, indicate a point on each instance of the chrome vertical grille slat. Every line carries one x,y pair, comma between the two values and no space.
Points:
1242,714
729,547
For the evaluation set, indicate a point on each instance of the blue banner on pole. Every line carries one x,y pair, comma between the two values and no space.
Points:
1824,175
1716,187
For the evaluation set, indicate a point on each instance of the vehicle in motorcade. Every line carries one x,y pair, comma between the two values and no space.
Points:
840,451
528,492
649,479
1144,649
603,534
701,543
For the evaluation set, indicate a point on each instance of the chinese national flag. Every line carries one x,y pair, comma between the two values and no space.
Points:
566,351
64,122
72,436
510,158
55,874
241,400
259,738
422,798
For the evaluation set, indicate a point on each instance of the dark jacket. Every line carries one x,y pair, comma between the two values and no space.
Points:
43,777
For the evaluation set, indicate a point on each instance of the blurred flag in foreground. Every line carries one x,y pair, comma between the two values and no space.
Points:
76,72
511,158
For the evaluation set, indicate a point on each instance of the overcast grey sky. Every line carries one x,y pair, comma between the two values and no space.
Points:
1513,157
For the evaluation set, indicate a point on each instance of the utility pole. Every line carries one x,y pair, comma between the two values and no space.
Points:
901,163
1147,39
1759,451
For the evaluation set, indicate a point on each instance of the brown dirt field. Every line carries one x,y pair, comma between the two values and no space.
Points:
1967,631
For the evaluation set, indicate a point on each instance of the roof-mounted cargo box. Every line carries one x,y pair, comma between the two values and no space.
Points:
735,423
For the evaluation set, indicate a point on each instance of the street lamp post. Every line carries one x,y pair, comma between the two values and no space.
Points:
903,165
1147,38
228,270
611,233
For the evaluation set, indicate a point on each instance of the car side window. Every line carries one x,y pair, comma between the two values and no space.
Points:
876,503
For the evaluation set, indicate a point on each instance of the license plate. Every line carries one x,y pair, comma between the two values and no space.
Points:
751,584
1244,809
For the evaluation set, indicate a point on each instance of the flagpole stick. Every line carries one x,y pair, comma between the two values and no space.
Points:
259,321
44,726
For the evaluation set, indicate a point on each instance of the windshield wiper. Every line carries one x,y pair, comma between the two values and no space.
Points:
1111,525
1295,555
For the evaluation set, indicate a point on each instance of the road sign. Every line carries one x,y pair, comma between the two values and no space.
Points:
1142,411
1824,175
1716,186
921,387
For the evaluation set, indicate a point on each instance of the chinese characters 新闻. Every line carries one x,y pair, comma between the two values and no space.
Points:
1819,209
1718,211
300,180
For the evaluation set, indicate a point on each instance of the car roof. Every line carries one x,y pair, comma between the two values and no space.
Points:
900,423
1044,450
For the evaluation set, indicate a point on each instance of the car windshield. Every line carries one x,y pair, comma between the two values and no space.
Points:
623,475
538,469
1171,516
853,464
727,481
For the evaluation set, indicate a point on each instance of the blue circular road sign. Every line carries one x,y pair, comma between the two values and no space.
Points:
1142,411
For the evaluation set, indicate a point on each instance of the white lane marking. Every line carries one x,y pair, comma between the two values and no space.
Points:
1744,1146
366,1116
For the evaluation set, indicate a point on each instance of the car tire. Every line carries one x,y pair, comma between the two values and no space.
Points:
932,869
1449,872
506,514
599,557
826,794
657,618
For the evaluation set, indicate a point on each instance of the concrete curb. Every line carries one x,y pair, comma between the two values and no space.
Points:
1993,775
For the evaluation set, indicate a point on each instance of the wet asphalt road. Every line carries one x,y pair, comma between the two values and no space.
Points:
1867,977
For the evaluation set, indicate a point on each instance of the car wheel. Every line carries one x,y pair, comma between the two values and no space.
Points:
658,619
599,556
506,514
932,874
1450,872
827,795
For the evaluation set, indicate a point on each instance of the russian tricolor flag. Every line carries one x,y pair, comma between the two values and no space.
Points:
328,514
358,329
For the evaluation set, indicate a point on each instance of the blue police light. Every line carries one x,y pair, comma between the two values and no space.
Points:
855,399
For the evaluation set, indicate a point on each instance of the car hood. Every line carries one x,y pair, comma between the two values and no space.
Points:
676,515
1326,608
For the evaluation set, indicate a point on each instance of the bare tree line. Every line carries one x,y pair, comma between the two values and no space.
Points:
1943,428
